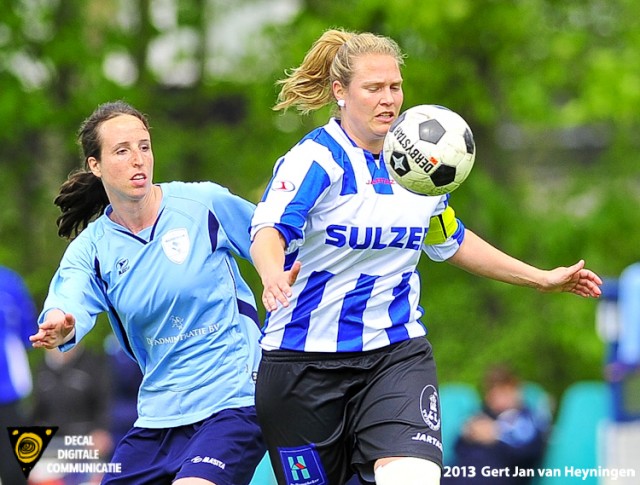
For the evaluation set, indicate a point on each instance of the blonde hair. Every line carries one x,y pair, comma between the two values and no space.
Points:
330,58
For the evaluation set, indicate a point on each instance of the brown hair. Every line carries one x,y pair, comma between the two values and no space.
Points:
82,195
331,57
500,375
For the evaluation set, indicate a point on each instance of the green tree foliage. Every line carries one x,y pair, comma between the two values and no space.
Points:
551,89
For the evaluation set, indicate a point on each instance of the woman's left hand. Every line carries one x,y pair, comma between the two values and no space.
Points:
573,279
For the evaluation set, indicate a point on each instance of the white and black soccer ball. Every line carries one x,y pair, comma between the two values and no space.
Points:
429,150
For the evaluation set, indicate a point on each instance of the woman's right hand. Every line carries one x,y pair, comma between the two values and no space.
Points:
267,251
277,288
57,328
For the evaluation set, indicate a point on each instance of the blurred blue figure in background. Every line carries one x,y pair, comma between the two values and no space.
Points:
629,304
125,382
17,322
506,437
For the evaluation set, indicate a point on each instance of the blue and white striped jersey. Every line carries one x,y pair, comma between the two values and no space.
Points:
358,236
175,299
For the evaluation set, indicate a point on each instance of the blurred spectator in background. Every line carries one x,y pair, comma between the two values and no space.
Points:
126,377
505,435
17,322
73,391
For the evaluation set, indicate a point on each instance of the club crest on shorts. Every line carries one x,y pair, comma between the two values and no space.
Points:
430,407
176,245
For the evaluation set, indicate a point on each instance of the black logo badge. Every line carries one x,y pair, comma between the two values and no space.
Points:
28,444
399,163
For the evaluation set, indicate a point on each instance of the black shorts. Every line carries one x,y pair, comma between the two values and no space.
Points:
327,416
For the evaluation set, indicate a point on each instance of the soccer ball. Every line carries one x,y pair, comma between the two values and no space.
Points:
429,150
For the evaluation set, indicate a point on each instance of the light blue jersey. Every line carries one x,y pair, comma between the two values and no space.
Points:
359,237
175,299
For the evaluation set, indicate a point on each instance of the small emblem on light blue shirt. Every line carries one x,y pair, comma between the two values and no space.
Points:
176,245
123,266
176,322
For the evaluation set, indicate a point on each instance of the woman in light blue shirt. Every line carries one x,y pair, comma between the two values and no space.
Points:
158,261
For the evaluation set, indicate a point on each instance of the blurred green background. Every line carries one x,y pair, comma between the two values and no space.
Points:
551,89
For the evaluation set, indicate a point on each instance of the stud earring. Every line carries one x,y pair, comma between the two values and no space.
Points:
341,103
